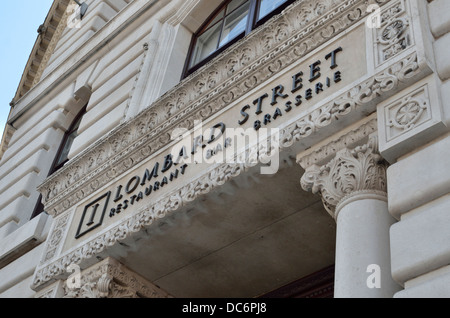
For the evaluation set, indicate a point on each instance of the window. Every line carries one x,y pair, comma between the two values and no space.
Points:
229,23
69,137
62,155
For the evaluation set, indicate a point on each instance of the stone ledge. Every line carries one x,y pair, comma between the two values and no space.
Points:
434,285
23,239
439,22
419,240
19,271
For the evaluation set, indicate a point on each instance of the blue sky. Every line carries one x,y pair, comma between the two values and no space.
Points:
19,22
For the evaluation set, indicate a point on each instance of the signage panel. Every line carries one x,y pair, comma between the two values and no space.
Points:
288,96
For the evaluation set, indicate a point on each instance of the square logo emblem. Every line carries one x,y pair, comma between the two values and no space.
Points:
93,215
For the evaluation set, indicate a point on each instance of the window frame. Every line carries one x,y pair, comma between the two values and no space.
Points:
62,146
252,24
39,207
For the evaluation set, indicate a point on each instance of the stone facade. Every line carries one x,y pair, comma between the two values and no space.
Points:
361,117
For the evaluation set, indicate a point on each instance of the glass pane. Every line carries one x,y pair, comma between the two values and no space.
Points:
234,4
267,6
65,151
206,44
217,18
235,24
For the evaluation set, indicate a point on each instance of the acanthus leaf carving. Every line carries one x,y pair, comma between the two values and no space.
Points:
350,172
364,93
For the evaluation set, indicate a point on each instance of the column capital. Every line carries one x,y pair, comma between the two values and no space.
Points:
352,174
110,279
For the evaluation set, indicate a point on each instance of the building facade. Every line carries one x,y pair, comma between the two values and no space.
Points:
210,148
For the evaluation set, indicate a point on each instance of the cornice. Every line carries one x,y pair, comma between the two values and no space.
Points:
48,35
6,138
282,41
120,22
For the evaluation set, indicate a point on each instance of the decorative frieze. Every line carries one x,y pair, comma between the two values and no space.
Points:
299,30
397,74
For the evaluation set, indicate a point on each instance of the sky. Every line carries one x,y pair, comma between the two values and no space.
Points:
19,22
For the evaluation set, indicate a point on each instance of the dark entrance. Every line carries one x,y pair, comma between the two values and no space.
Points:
317,285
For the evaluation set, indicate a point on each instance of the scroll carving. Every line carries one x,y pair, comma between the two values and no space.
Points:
110,279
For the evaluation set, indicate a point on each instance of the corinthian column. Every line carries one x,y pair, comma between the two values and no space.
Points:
352,186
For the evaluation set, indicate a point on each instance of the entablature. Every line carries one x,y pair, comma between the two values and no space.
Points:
305,32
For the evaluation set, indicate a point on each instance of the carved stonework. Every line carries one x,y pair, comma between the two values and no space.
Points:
365,93
394,34
56,236
351,172
110,279
408,112
278,44
353,138
202,95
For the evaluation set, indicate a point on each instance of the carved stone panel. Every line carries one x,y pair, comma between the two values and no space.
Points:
110,279
353,171
394,34
410,119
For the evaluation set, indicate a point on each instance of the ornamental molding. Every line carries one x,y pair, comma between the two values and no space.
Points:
136,140
359,99
358,172
364,94
110,279
395,32
281,42
324,153
408,112
410,119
